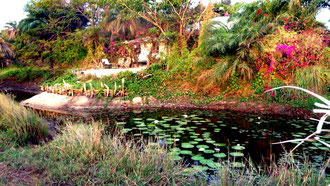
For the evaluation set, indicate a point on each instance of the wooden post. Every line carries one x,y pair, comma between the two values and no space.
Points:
84,89
108,90
122,87
92,89
115,91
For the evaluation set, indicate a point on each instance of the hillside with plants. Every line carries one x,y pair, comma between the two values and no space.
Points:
197,110
266,44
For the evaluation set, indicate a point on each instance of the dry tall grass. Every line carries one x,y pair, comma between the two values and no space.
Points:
83,154
20,124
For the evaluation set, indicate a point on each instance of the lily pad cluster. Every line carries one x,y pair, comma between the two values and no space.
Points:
203,140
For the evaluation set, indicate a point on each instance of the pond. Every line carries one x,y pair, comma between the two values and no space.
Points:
18,95
201,137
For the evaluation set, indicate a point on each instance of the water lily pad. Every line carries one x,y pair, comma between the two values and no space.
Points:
220,155
209,151
210,141
185,152
137,119
143,128
126,130
187,145
176,158
197,157
220,144
236,154
166,125
206,161
203,146
180,128
238,147
199,139
169,142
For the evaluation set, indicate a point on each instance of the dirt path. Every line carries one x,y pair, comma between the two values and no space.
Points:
24,175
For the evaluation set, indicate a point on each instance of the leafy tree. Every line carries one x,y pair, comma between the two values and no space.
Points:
318,3
171,17
252,23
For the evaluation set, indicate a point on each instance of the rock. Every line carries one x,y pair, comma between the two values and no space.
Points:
137,100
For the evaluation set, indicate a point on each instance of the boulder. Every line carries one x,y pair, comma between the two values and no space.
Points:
137,100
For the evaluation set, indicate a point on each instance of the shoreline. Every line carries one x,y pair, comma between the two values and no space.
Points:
82,105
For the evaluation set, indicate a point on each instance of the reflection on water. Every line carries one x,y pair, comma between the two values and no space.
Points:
18,95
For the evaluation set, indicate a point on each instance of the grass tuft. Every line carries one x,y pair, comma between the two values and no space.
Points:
19,124
83,154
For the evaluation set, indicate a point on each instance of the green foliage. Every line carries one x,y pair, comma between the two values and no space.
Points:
314,78
254,22
183,61
18,124
233,83
67,76
67,51
208,100
24,73
258,85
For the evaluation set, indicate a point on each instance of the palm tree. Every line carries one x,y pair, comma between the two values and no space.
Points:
11,28
116,22
253,22
6,52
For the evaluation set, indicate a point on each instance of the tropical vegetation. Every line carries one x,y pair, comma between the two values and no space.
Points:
264,40
264,44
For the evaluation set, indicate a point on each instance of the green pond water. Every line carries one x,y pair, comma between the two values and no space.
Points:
201,138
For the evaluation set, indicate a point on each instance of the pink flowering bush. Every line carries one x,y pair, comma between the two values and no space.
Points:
295,58
285,51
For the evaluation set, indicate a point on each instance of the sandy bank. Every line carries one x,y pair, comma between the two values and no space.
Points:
83,104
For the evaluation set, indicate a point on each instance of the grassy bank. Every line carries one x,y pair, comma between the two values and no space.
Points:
84,154
24,74
87,154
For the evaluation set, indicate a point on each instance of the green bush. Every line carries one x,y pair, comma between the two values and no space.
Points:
24,73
